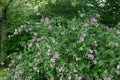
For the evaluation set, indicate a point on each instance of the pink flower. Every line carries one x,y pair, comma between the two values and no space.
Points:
30,45
69,77
12,61
93,20
19,78
38,39
57,56
71,64
21,72
35,60
19,57
95,51
61,78
61,69
9,36
62,33
30,29
97,15
99,79
46,21
108,78
79,78
90,51
50,27
80,40
118,32
95,62
38,14
78,59
91,56
75,70
19,30
95,41
86,24
37,46
30,77
84,34
48,52
111,43
96,24
30,64
36,69
2,63
34,39
52,65
53,60
15,76
118,66
37,24
116,44
16,32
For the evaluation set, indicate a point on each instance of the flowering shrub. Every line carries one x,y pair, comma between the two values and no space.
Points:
75,50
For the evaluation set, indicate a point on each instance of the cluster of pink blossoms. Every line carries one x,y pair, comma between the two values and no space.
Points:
81,39
113,43
93,21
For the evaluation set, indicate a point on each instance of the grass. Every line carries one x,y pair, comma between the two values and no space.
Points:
3,72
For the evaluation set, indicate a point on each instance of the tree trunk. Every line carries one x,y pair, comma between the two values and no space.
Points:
4,27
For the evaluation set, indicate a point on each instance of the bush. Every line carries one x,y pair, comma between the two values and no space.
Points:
74,50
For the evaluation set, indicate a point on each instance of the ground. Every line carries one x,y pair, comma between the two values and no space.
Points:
3,72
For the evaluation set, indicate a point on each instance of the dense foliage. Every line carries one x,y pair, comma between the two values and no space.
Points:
75,50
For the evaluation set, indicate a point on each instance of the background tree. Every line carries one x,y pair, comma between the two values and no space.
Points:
108,9
110,12
5,7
